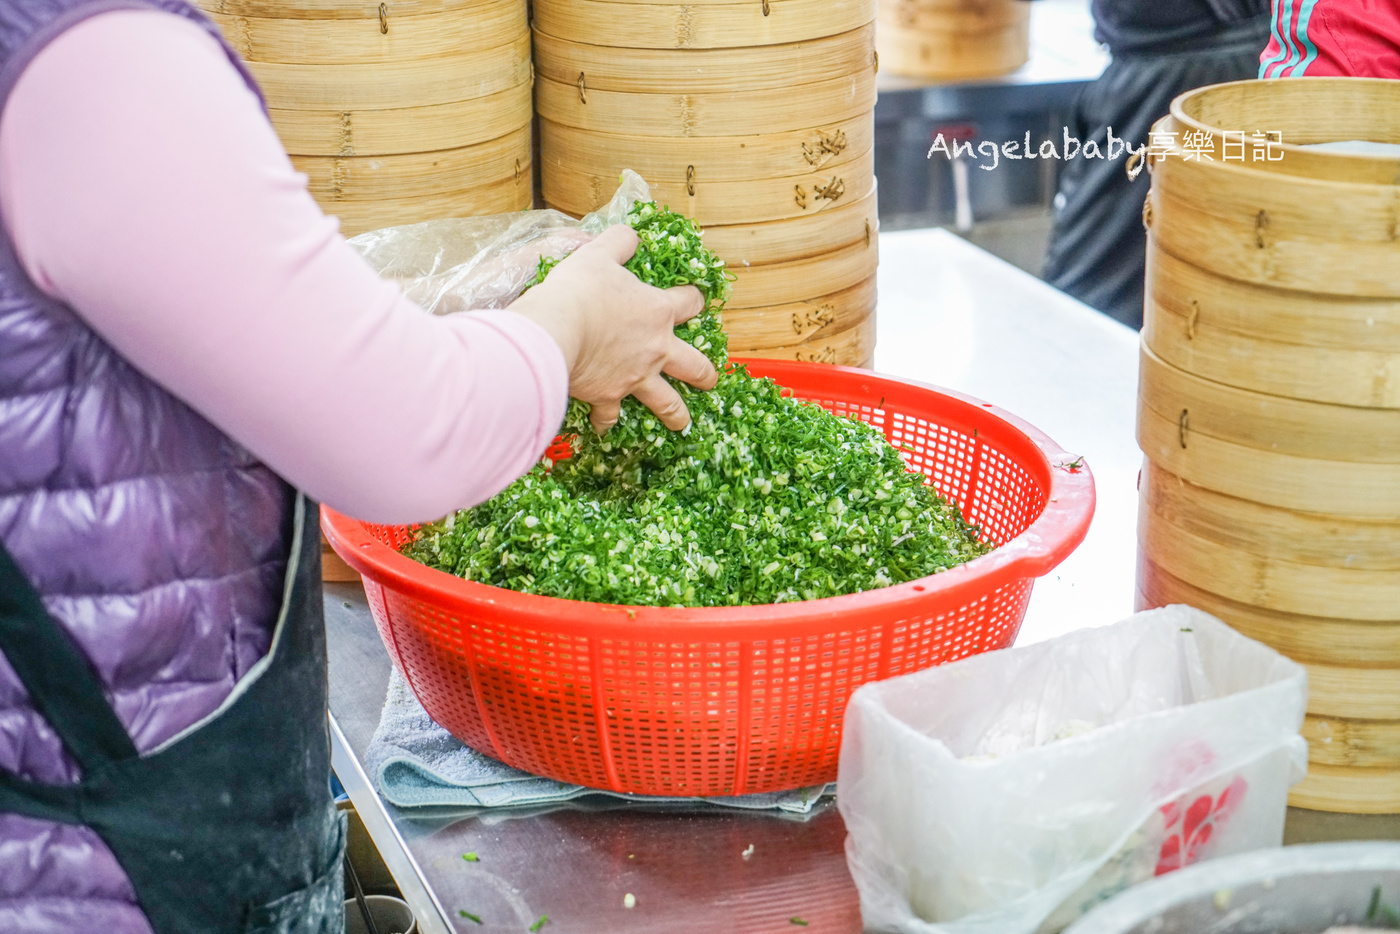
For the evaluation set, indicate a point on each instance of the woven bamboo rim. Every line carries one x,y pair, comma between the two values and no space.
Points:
415,175
1339,488
1271,583
711,158
410,130
851,347
1184,325
1353,693
388,86
725,113
1282,534
682,71
782,283
976,17
700,25
1343,323
800,322
711,202
503,197
1272,423
1336,642
1273,229
1356,743
372,37
743,245
1347,790
1320,110
331,9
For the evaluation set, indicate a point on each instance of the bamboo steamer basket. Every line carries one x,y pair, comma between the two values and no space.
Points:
1271,423
732,202
703,113
681,71
702,160
801,322
953,39
1351,790
699,25
1323,348
1367,744
427,174
391,85
743,245
373,34
782,283
506,195
1336,643
331,9
401,131
851,347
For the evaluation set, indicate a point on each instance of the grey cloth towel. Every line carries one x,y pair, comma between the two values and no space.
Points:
417,763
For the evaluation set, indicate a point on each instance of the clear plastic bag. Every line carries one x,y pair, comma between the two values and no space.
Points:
1007,793
470,263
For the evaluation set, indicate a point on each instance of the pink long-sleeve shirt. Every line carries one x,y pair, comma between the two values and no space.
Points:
142,185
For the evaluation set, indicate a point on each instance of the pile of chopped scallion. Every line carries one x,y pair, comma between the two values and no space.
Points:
764,499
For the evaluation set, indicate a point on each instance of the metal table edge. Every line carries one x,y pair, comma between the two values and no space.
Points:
432,917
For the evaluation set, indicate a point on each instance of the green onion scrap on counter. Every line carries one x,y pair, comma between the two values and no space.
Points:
763,499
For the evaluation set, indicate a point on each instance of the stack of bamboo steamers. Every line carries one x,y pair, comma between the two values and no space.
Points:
1269,404
949,40
398,112
753,116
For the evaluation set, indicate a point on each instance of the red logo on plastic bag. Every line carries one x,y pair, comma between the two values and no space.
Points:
1189,829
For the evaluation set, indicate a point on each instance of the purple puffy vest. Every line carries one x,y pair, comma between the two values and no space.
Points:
154,538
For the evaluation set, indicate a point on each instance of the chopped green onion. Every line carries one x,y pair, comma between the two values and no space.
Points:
797,921
543,920
469,916
471,857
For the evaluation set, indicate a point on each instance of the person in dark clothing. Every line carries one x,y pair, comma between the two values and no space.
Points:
1160,48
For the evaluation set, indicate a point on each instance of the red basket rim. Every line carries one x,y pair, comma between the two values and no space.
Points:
1057,531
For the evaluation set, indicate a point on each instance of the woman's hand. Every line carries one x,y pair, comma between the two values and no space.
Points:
617,333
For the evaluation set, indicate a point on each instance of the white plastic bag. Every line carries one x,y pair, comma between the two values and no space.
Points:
1009,792
471,263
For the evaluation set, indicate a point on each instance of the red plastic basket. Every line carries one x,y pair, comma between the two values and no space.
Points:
730,700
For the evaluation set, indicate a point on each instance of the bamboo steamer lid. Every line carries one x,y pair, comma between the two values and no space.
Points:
1271,423
406,130
718,203
1354,743
1348,790
1341,488
682,71
695,160
952,41
1297,114
1269,582
378,34
720,113
743,245
1269,532
1280,230
1335,642
1299,345
824,274
501,197
360,178
802,322
851,347
699,25
392,85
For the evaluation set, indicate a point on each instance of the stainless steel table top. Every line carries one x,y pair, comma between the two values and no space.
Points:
949,314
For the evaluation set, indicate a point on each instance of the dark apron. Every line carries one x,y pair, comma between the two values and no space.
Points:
1098,248
229,827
